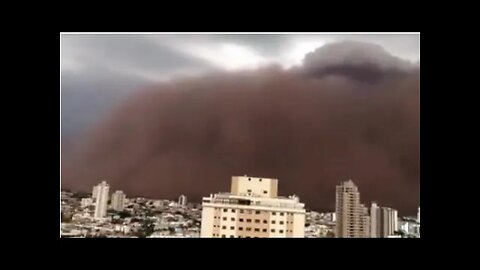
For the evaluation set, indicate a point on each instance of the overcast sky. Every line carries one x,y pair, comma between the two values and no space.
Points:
98,70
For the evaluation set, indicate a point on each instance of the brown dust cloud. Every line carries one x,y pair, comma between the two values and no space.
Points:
350,111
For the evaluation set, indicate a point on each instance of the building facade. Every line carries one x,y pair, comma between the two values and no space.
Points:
252,209
118,200
94,192
384,221
351,220
182,200
85,202
375,220
418,215
101,201
390,221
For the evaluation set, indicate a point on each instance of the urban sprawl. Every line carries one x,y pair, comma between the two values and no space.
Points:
252,209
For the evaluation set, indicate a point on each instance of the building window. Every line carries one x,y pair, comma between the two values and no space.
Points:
273,221
257,212
281,222
231,236
264,230
249,190
272,230
232,228
257,229
260,180
223,236
249,179
224,227
281,231
241,211
257,220
225,210
265,192
249,220
233,219
233,210
274,213
241,220
249,229
281,214
224,218
240,228
265,221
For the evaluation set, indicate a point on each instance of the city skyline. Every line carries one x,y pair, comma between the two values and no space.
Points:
312,110
373,204
251,209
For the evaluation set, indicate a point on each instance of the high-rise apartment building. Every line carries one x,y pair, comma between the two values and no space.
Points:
365,221
390,221
252,209
94,192
182,200
101,202
351,220
375,220
118,200
384,221
418,215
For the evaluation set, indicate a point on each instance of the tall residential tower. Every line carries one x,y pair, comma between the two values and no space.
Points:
384,221
101,200
351,216
118,200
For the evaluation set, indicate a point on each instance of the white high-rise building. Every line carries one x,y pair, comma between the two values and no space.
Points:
383,221
351,216
375,220
390,221
118,200
365,221
101,202
182,200
418,215
95,192
252,209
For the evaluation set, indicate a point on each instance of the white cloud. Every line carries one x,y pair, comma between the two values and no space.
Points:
228,56
295,54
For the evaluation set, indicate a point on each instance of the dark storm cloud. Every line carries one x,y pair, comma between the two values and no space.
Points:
405,46
104,68
311,132
87,96
100,70
362,61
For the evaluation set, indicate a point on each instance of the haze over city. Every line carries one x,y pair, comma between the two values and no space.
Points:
164,115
